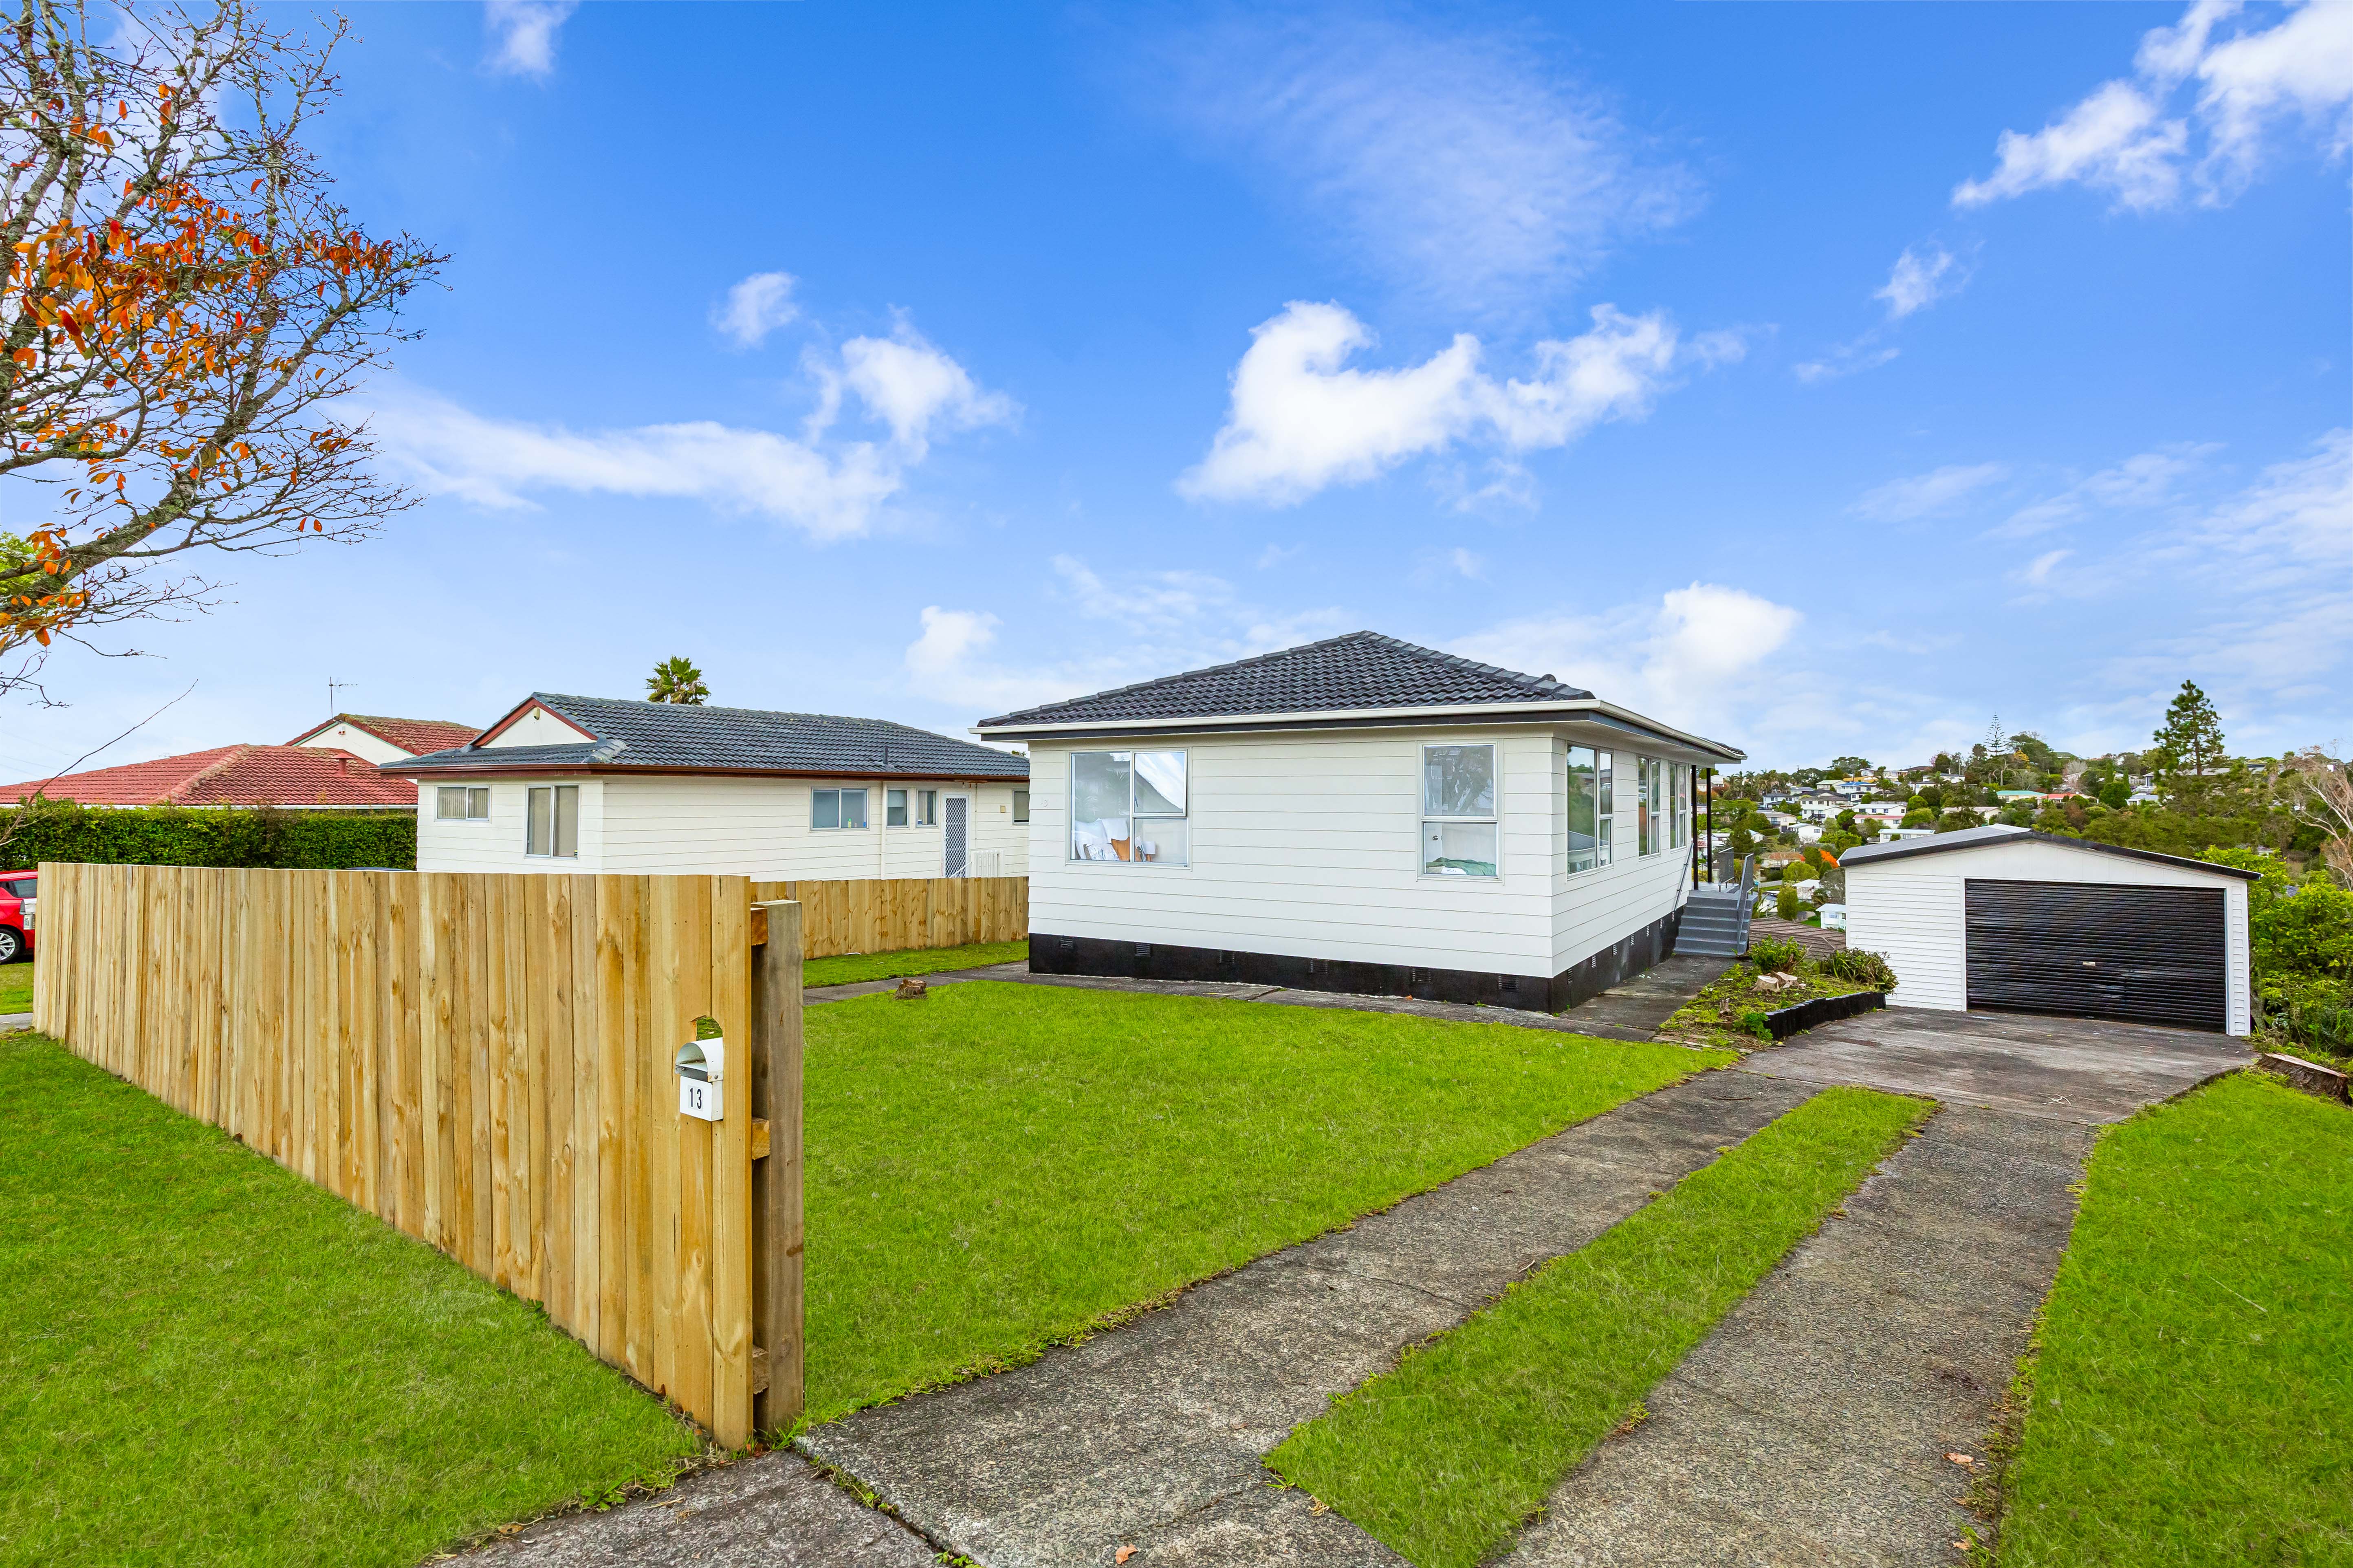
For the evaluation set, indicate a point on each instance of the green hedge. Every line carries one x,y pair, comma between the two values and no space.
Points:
173,835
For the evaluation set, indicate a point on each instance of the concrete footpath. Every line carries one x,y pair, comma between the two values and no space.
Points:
1154,1435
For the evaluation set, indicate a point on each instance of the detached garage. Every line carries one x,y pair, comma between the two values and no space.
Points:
2002,919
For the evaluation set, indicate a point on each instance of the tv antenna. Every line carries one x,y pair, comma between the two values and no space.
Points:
335,704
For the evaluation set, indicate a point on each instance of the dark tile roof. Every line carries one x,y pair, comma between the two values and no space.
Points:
658,737
1361,670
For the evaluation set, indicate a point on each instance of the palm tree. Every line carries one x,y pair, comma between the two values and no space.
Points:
677,680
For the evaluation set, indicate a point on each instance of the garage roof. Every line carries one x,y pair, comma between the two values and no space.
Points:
2001,833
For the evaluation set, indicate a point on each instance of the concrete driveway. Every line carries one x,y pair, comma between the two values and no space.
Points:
2069,1069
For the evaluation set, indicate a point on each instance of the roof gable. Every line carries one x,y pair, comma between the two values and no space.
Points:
1362,670
414,736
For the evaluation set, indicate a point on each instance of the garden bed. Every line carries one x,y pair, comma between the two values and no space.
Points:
1738,1008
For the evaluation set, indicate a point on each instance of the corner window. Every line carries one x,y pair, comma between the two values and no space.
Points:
1649,804
1592,808
552,822
1021,805
1126,805
837,807
461,803
1458,811
1679,809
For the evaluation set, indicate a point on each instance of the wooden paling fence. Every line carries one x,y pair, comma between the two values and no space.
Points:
891,914
485,1061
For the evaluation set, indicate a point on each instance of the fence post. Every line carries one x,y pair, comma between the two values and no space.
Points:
775,1099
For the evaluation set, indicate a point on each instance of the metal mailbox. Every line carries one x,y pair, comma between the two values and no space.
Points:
702,1068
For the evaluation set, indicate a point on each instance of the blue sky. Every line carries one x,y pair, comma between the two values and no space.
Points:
1826,378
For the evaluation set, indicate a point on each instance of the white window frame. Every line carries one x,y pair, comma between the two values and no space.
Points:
1425,817
470,796
1021,803
558,844
1605,805
837,825
1071,800
1650,801
1679,801
911,808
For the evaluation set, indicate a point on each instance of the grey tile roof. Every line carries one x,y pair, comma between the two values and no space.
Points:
658,737
1361,670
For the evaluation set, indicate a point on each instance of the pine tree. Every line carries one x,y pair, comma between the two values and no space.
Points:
2187,755
677,681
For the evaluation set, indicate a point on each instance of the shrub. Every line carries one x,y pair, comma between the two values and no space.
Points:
2321,1025
1785,903
174,836
1858,967
1770,957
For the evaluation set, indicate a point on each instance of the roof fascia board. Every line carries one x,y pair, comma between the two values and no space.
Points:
658,770
515,716
1591,710
1908,848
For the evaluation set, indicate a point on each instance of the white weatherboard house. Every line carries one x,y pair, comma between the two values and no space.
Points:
1358,814
597,784
2003,919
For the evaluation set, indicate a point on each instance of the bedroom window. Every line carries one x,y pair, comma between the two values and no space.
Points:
837,808
1128,805
916,807
1458,811
459,803
1021,805
1592,808
552,824
1649,803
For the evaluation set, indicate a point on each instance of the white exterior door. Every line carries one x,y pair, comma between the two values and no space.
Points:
957,832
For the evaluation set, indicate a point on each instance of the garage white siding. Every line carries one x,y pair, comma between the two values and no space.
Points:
1913,908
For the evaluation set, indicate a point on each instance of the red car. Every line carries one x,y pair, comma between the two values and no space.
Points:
17,889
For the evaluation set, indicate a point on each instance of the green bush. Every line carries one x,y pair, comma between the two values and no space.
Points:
2308,932
1770,957
1861,967
174,836
1785,903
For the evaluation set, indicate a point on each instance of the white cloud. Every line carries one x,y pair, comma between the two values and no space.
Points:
1148,601
1275,554
828,486
2122,138
1920,279
1467,562
949,662
1694,659
1848,360
522,34
1462,167
2146,480
2037,572
756,307
1301,419
1902,500
910,384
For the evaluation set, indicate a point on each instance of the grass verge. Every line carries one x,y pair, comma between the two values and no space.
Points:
2191,1399
998,1167
1445,1458
914,962
17,987
205,1359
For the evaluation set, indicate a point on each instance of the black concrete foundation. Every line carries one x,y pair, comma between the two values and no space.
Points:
1051,954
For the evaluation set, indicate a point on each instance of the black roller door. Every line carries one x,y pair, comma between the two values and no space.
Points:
2145,955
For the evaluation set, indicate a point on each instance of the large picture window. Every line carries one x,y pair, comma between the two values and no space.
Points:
1649,804
1592,808
551,821
1130,806
837,807
1458,811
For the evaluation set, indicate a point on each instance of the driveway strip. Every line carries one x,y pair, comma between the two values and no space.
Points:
1153,1435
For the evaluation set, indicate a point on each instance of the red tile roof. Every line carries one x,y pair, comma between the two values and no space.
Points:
414,736
230,776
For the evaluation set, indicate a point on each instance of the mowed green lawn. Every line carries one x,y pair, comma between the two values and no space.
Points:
17,988
997,1166
2193,1400
914,962
205,1358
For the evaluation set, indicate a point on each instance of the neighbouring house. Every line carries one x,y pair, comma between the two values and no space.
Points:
1359,814
289,777
1882,811
2004,920
381,739
598,784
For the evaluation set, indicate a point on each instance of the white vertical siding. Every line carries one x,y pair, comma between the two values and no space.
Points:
1914,909
1309,845
747,827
